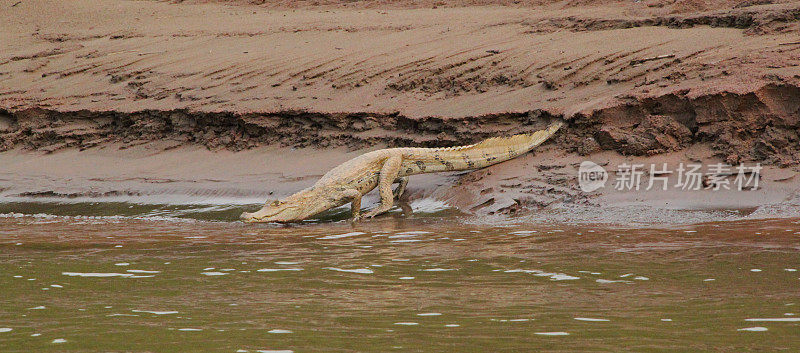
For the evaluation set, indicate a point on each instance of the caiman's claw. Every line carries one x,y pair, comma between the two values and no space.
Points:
374,213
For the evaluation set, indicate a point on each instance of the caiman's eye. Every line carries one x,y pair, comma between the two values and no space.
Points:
275,203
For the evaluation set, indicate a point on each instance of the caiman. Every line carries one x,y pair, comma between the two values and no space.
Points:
352,179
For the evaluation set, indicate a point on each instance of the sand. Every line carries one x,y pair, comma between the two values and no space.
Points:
234,100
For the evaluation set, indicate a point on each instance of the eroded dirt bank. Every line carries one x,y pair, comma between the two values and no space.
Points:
761,125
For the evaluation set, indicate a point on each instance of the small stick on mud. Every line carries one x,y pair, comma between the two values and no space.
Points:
640,61
790,43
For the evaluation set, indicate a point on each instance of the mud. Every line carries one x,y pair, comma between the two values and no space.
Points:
755,126
48,131
753,21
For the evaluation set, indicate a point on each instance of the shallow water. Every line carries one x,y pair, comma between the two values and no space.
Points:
425,284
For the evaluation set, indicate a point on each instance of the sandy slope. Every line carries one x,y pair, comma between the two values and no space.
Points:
135,55
114,98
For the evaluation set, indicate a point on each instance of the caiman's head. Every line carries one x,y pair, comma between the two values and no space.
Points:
294,208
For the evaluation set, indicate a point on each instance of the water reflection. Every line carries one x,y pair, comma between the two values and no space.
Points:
221,286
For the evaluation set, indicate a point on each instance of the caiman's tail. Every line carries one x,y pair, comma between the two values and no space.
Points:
485,153
521,143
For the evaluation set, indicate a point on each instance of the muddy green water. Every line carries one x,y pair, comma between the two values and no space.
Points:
78,284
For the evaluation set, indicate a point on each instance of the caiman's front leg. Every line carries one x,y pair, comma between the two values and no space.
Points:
388,175
355,203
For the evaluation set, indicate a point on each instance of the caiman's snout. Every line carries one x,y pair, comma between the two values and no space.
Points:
266,214
247,217
279,212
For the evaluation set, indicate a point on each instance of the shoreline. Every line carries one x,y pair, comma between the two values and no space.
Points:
538,187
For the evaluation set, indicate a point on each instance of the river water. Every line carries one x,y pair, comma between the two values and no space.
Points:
180,279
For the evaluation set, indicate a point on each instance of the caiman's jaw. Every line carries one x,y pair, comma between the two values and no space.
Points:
275,211
258,216
294,208
251,218
290,210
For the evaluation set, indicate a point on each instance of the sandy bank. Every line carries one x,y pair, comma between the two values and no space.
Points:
230,102
453,62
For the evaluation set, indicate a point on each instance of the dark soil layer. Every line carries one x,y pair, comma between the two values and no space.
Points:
761,125
753,21
756,126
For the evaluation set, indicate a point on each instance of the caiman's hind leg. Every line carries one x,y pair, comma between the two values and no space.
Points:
355,203
388,175
398,193
401,187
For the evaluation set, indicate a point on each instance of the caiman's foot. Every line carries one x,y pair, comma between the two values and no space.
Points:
376,212
406,207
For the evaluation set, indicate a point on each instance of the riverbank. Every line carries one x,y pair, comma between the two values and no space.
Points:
233,103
